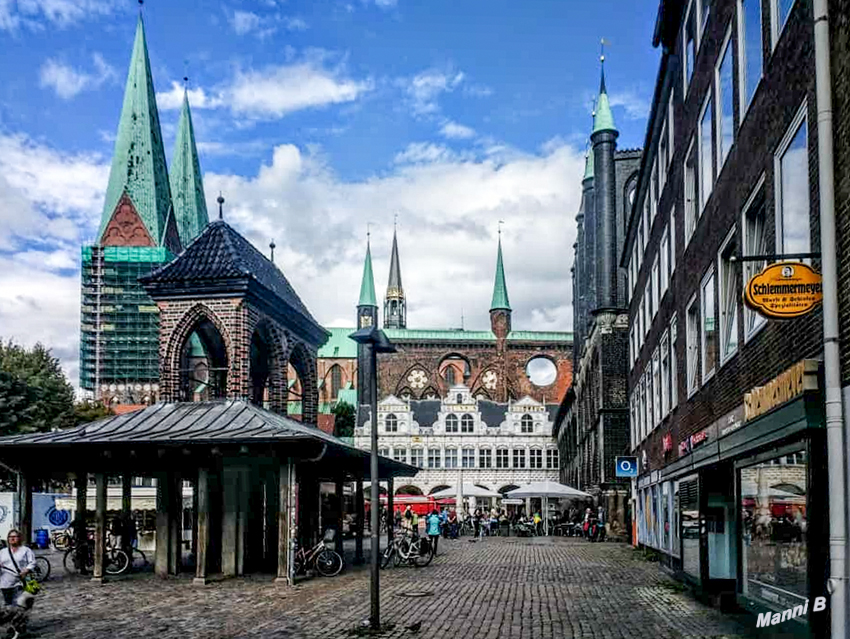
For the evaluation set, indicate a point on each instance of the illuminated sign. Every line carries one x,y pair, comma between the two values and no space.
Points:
784,290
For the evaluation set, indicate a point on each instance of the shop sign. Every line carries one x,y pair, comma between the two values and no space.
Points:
667,442
685,447
692,442
626,467
784,290
787,386
730,422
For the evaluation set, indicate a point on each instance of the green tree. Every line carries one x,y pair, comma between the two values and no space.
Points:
35,396
344,419
85,412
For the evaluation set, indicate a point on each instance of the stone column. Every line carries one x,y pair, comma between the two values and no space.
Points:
358,531
338,515
202,525
164,501
284,521
99,527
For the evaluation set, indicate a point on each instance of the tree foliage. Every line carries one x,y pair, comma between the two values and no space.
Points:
35,396
344,419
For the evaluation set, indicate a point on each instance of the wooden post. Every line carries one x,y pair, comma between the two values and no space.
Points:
338,515
358,531
284,520
126,494
99,527
202,525
163,528
175,522
82,483
26,508
230,521
390,511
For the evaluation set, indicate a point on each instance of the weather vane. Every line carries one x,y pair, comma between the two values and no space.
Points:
500,226
220,201
602,44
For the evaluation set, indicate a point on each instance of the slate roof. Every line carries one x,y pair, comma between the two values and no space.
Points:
196,423
221,258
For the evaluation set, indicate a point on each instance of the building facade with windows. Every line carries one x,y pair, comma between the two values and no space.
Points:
591,426
498,446
725,409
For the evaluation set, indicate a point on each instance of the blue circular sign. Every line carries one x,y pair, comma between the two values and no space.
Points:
58,517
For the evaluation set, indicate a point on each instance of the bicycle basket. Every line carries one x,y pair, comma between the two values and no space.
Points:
330,535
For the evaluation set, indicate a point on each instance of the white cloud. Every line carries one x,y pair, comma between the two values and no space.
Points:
36,15
275,91
68,81
423,152
386,4
250,23
425,88
455,131
636,106
198,98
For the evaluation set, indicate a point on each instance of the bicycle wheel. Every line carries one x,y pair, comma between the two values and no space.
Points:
139,560
115,562
423,553
387,556
42,569
329,563
78,560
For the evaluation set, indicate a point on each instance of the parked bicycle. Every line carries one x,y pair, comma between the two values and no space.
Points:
324,560
80,559
414,551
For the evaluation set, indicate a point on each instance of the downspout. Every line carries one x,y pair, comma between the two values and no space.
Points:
838,568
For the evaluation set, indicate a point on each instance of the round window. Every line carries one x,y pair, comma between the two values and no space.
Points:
541,371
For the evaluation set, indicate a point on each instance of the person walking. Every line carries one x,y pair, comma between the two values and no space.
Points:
600,516
433,529
16,562
453,525
538,523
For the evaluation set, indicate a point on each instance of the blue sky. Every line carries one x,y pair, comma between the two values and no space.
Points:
314,117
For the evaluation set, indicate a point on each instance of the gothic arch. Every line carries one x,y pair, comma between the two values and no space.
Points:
430,390
421,382
330,391
404,390
268,366
438,488
217,344
479,384
408,489
304,364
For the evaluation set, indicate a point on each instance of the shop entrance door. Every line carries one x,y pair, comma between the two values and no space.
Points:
691,525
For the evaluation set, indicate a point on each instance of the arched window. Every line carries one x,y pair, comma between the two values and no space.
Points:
459,399
449,375
336,381
527,424
391,423
451,424
466,423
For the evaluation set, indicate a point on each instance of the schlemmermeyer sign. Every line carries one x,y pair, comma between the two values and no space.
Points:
801,377
784,290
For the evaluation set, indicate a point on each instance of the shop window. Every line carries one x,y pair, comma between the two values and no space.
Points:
391,423
725,89
519,458
706,155
665,516
434,458
451,457
690,525
468,458
755,244
727,282
692,352
675,541
774,530
502,458
750,55
708,344
416,457
485,458
535,458
792,190
690,192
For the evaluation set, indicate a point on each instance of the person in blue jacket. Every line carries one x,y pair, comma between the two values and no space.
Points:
432,523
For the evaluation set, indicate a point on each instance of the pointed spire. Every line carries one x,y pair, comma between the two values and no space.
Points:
500,288
603,119
588,165
187,186
367,285
138,161
394,285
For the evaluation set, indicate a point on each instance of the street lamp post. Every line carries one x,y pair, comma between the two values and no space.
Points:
376,342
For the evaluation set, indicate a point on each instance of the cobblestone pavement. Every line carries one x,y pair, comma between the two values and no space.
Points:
494,588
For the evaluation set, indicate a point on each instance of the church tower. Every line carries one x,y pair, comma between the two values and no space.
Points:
367,315
500,307
395,306
604,144
187,186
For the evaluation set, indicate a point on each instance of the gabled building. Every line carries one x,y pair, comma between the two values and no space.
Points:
147,220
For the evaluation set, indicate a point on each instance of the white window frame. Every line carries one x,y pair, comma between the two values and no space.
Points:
642,407
674,367
672,242
653,192
800,122
663,158
691,209
702,22
671,142
656,388
744,101
665,262
647,220
419,453
726,48
463,457
686,81
485,454
707,373
532,453
722,319
700,203
751,268
655,278
692,346
776,29
664,355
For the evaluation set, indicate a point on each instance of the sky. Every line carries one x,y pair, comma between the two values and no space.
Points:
316,119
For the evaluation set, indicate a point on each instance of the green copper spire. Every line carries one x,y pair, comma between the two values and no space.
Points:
138,162
367,286
500,289
588,165
603,119
187,186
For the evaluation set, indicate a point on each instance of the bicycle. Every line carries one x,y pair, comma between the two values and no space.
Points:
80,559
416,551
466,528
62,539
327,562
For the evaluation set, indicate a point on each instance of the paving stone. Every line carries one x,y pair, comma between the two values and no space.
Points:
495,588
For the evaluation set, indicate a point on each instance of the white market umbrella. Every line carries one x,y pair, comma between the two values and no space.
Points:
546,490
467,490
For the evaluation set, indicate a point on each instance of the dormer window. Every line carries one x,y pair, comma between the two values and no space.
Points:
466,424
526,424
459,398
391,423
451,424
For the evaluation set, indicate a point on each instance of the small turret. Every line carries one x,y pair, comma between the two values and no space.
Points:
500,306
367,315
395,305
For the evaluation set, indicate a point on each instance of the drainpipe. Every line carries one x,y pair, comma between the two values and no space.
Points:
838,569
